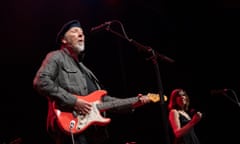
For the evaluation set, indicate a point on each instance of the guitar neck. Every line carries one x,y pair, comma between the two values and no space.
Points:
117,103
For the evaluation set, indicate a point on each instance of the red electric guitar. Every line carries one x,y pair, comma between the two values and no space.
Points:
73,123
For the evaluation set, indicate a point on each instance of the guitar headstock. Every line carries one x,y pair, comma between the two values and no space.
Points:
155,97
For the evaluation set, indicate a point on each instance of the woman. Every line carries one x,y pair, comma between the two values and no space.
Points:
181,122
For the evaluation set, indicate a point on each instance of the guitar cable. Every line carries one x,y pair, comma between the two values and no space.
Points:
72,123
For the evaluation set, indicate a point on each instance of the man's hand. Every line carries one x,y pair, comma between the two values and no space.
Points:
144,99
82,107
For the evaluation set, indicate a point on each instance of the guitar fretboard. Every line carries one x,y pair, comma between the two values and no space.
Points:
117,103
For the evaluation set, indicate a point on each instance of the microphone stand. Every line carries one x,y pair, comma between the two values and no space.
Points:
154,57
236,101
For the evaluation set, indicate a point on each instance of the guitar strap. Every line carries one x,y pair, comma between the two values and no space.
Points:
92,81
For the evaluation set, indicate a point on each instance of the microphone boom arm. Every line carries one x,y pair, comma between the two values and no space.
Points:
143,47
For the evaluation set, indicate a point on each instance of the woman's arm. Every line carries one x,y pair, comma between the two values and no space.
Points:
178,130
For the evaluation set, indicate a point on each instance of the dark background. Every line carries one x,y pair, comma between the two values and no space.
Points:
201,36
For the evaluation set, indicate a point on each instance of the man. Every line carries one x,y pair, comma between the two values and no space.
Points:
72,89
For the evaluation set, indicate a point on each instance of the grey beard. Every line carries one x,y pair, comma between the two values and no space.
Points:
80,48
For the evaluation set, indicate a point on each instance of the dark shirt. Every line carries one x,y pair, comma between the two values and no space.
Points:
190,137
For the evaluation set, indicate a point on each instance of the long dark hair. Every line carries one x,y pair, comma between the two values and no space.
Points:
173,103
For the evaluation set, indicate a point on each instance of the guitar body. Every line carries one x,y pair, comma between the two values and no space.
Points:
75,123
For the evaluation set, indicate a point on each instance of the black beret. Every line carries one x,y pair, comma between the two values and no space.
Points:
65,28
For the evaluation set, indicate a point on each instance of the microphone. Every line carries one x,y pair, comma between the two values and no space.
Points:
101,26
219,91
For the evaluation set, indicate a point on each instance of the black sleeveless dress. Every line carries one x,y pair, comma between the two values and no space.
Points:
189,138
